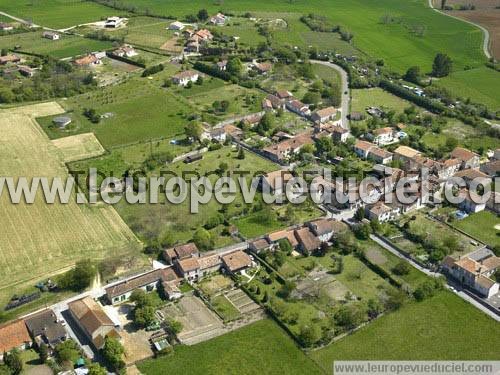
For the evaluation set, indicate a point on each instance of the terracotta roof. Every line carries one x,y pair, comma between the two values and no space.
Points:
186,250
284,94
237,260
491,263
471,174
281,234
9,58
406,152
485,282
260,244
363,145
491,168
324,226
380,152
90,314
307,239
185,74
297,104
448,261
463,154
468,264
326,112
263,67
451,163
279,149
165,274
379,208
209,261
86,60
13,335
380,131
189,264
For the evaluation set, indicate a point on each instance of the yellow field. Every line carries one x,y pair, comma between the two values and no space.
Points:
78,147
40,239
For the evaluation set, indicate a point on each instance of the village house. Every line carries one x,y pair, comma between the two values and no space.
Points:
237,261
6,26
380,155
184,77
491,168
473,175
26,71
324,115
125,51
448,168
382,136
219,19
204,35
221,65
88,60
381,212
189,250
282,151
262,68
472,202
338,133
44,328
296,106
148,282
114,22
405,153
325,229
362,148
93,321
10,58
176,25
275,182
474,271
259,245
308,242
468,158
493,203
14,335
274,102
286,234
284,94
51,35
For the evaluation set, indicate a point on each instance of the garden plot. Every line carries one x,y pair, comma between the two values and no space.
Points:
319,283
241,301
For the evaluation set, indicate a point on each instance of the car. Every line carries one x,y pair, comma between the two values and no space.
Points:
345,92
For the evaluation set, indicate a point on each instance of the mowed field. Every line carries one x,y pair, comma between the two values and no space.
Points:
57,14
78,147
443,327
259,348
40,239
67,46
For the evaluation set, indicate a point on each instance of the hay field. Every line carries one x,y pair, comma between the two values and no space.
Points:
78,147
40,239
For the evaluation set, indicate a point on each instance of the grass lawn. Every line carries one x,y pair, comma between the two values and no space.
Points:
225,308
57,13
376,97
261,347
326,73
440,328
67,46
481,225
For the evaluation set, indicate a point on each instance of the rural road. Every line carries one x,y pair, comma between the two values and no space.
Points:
18,19
486,40
344,87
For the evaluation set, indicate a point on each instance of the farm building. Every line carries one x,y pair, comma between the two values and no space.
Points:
61,121
219,19
26,71
180,252
9,59
14,335
183,78
51,35
114,22
324,115
176,25
237,261
44,327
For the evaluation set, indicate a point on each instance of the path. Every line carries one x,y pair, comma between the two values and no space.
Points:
486,40
18,19
344,88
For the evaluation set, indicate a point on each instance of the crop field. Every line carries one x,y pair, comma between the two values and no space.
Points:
246,349
78,147
439,328
67,46
57,14
40,239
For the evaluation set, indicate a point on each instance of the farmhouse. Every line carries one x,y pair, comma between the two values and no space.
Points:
287,234
9,59
325,229
221,65
259,245
26,71
113,22
237,261
204,34
380,155
491,168
88,60
296,106
468,158
263,67
93,321
406,154
125,51
381,212
362,148
189,268
275,102
148,282
284,94
176,25
180,252
339,134
184,77
44,327
324,115
51,35
219,19
474,271
13,335
280,152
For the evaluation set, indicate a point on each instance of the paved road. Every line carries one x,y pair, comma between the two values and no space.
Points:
486,41
344,87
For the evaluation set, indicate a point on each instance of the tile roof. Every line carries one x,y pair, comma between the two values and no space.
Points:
307,239
463,154
260,244
491,263
165,274
281,234
379,208
90,314
189,264
380,131
209,261
237,260
471,174
468,264
185,74
363,145
326,112
406,152
485,282
284,94
13,335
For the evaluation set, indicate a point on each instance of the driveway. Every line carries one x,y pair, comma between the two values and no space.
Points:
344,87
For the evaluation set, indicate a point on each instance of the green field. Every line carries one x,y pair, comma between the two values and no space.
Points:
57,14
67,46
261,348
481,225
376,97
440,328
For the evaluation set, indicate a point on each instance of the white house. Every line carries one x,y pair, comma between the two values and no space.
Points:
113,22
298,107
184,77
219,19
324,115
382,136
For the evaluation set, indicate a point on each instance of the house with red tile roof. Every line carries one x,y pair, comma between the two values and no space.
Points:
14,335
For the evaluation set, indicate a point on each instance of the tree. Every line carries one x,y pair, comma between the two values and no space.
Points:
309,334
14,362
402,268
441,66
140,298
96,369
4,52
66,351
311,97
144,315
395,299
349,316
362,231
234,66
413,75
374,308
113,351
43,350
360,214
202,15
203,239
286,289
194,130
266,123
285,246
80,277
174,326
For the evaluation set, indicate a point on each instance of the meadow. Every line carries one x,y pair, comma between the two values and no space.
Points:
41,239
376,97
481,225
78,147
57,14
66,46
244,351
439,328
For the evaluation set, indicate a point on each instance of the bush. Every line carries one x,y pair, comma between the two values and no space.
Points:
402,268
